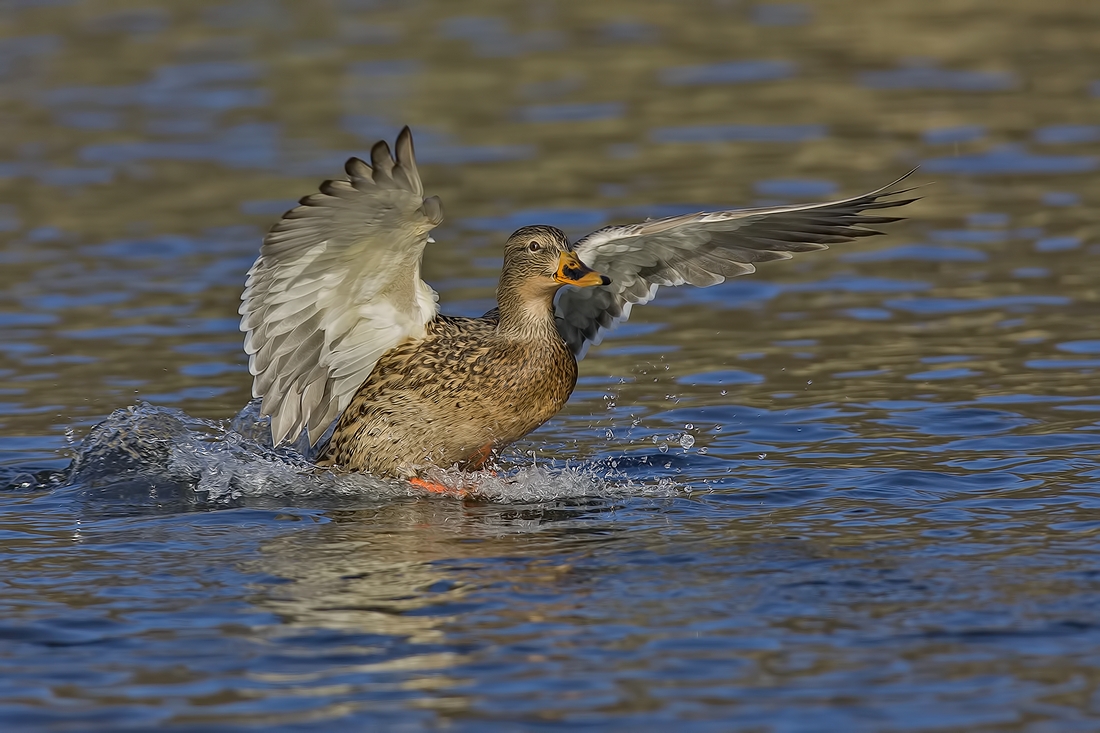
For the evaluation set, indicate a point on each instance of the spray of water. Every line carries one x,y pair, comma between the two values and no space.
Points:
229,461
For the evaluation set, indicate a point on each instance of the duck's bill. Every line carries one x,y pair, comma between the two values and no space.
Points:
571,271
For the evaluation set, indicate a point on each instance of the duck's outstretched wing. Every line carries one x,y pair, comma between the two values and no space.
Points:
703,249
336,285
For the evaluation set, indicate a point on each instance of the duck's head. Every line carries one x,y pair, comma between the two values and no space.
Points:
538,258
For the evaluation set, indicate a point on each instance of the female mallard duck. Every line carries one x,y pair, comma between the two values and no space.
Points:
338,322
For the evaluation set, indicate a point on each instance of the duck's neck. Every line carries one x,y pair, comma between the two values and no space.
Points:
526,310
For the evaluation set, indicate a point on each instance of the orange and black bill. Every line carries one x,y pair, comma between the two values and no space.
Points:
571,271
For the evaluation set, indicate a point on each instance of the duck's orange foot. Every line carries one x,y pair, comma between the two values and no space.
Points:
437,488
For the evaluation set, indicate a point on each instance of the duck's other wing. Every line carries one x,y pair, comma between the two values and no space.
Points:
336,285
703,249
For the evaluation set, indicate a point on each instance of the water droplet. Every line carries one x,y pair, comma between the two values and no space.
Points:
809,381
703,450
663,448
723,392
686,441
609,434
762,456
668,465
689,426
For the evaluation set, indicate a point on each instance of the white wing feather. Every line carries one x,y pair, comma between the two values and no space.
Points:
336,285
701,249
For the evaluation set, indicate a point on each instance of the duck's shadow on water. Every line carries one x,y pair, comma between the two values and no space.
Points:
147,459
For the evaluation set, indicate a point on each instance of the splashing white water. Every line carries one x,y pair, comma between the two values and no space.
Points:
226,461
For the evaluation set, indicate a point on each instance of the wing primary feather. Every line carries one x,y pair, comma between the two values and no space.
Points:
382,163
704,249
405,172
358,171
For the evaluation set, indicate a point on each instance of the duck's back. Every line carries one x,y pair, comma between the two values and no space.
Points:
451,398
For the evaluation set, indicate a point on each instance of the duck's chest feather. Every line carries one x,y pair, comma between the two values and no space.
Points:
451,397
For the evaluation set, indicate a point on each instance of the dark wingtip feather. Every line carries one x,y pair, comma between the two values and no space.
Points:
405,154
858,220
357,168
406,135
912,170
379,149
888,203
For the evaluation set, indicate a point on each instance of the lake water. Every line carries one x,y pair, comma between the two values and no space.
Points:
856,491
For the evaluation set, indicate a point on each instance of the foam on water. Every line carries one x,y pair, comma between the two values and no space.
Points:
153,450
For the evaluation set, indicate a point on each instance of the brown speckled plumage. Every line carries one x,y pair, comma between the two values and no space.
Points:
470,385
441,400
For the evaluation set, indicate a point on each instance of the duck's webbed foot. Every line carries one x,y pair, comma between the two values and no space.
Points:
434,487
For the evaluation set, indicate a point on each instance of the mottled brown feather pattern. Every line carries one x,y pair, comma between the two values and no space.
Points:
438,401
470,384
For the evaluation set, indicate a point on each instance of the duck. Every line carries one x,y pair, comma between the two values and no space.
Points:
345,341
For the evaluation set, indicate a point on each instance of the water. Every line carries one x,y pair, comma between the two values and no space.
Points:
855,491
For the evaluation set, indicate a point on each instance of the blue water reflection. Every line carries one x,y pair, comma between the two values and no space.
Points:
921,74
739,133
728,72
572,112
1009,159
918,252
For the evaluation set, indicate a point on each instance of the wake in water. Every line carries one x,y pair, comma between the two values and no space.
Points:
161,453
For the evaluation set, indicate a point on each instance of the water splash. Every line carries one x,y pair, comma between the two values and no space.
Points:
162,455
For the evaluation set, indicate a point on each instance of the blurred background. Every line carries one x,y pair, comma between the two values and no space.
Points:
853,491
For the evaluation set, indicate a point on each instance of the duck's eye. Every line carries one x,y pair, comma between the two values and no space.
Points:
534,246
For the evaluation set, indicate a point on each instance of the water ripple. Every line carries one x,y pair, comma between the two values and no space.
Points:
740,133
